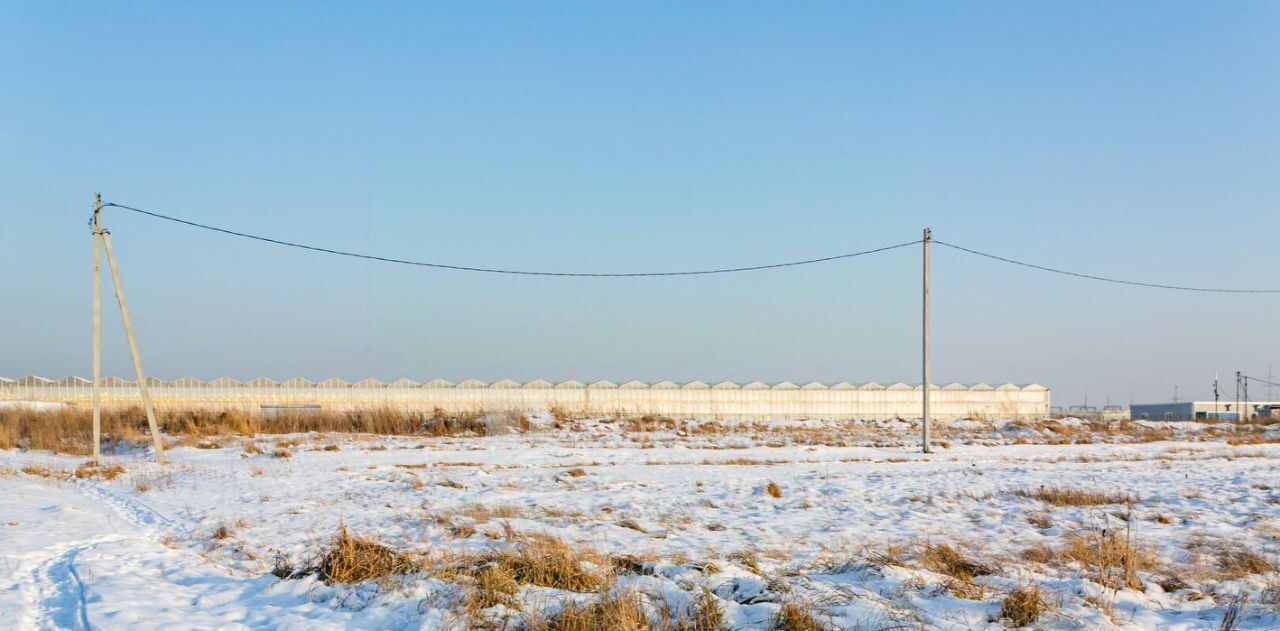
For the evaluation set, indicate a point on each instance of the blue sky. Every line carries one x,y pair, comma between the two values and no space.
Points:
1137,140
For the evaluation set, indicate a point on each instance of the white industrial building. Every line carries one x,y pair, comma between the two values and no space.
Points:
695,399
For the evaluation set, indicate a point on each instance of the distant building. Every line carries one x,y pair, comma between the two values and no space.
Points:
1224,410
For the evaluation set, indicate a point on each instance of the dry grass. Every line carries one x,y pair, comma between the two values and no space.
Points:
94,470
773,490
613,611
1023,606
1066,496
536,560
649,423
945,559
494,585
794,616
1111,556
703,613
1040,520
1238,562
41,471
1038,554
69,430
352,560
746,559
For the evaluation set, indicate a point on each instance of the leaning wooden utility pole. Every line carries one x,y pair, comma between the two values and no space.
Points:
97,326
133,349
924,347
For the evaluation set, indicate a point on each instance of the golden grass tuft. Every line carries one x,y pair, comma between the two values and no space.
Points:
1111,556
536,559
773,490
703,613
494,585
1023,606
1066,496
1038,554
1236,562
613,611
42,472
93,470
793,616
945,559
352,560
747,559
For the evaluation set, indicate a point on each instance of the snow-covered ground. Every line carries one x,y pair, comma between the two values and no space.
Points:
844,537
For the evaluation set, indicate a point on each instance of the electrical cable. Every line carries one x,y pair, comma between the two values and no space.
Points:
727,270
491,270
1105,279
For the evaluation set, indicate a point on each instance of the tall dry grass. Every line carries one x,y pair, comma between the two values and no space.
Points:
69,430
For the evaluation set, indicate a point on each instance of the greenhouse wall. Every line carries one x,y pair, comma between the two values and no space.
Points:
727,400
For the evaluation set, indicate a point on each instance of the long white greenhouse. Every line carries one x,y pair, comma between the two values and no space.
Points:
695,399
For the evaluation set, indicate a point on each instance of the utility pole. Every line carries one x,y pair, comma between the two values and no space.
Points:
1215,397
97,325
1270,382
1238,417
1245,409
924,347
133,349
1175,394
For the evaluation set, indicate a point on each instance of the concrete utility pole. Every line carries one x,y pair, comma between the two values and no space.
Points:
97,325
133,349
1239,417
924,347
1245,410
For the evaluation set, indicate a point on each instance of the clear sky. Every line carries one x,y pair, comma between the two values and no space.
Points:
1139,140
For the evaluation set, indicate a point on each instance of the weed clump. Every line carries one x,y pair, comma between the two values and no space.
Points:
95,470
538,560
1023,606
1237,562
615,610
797,617
352,560
945,559
494,585
1112,558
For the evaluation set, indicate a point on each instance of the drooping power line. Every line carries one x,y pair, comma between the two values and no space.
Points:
492,270
727,270
1105,279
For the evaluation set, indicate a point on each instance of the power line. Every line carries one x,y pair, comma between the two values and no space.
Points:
727,270
491,270
1109,280
1262,381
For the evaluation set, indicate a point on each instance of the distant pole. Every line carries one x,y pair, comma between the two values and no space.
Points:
133,350
1238,415
1246,399
97,326
1215,397
924,347
1270,382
